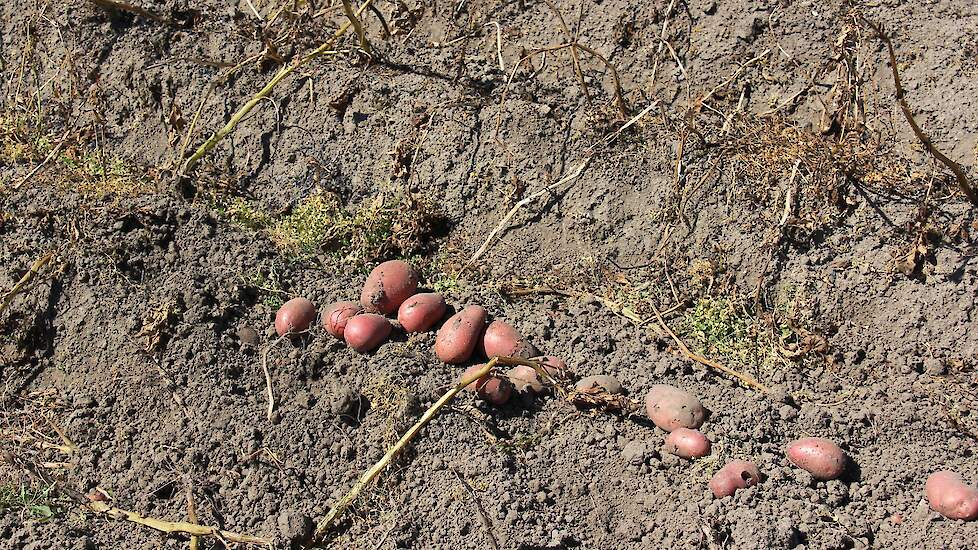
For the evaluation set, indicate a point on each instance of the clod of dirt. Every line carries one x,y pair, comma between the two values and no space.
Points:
294,528
248,336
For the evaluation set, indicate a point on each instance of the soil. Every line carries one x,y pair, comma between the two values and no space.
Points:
143,340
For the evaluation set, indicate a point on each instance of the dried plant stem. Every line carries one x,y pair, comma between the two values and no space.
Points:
744,378
122,6
573,48
734,76
344,502
33,272
174,527
357,26
662,43
47,159
925,140
324,49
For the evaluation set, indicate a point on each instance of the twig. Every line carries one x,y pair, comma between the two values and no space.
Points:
268,377
744,378
216,137
122,6
47,159
552,187
192,516
573,48
736,73
499,45
662,42
346,500
32,272
480,511
954,167
174,527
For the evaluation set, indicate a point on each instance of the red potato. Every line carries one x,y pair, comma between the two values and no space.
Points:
336,316
525,379
457,338
948,494
687,443
818,456
737,474
671,408
609,384
496,391
502,340
294,316
421,311
367,331
479,382
388,286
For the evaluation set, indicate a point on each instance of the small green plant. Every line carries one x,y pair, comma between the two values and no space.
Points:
34,502
269,285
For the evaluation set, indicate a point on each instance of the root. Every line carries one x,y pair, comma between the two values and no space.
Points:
901,94
174,527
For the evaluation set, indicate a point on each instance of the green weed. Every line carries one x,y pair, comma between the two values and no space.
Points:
35,502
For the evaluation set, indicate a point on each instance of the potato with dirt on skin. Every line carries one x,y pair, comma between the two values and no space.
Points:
495,390
948,494
671,408
687,443
367,331
502,340
525,379
337,315
457,338
737,474
818,456
296,315
607,383
388,286
555,366
421,311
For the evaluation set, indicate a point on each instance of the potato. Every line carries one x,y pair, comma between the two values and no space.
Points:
737,474
366,331
457,338
525,379
948,494
687,443
501,339
479,382
294,316
496,390
336,316
609,384
671,408
818,456
554,366
421,311
388,286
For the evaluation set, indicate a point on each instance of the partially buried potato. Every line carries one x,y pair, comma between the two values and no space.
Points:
818,456
337,315
687,443
457,338
388,286
421,311
525,379
478,382
609,384
502,340
294,316
495,390
737,474
671,408
367,331
948,494
554,366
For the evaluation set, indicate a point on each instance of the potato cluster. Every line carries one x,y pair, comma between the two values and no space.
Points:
392,288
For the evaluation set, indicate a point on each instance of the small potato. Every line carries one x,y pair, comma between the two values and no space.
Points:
496,391
502,340
554,366
366,331
388,286
457,338
525,379
737,474
687,443
421,311
818,456
671,408
294,316
336,316
948,494
474,386
609,384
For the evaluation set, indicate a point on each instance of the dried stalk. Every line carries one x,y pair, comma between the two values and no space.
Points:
34,270
174,527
